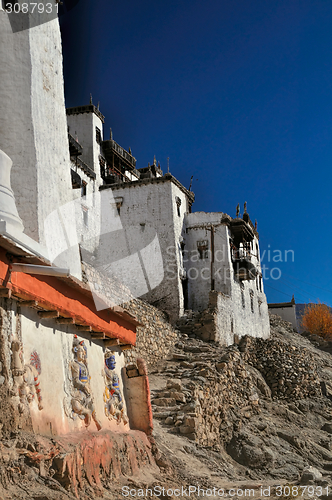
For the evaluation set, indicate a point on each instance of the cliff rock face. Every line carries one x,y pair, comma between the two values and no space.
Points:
85,465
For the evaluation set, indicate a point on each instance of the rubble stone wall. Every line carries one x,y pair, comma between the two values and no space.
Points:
156,337
155,340
213,389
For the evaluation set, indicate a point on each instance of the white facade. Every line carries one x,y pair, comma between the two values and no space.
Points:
209,262
143,249
141,232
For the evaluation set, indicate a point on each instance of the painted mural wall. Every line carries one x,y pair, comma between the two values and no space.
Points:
63,381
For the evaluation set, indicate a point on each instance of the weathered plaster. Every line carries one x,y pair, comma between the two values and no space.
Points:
33,130
54,346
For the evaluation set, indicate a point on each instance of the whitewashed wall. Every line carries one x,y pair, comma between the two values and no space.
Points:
34,131
148,218
54,344
199,271
235,314
82,126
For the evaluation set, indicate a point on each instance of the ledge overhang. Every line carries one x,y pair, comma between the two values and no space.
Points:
70,297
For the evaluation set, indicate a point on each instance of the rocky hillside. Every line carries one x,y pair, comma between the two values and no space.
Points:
260,410
254,415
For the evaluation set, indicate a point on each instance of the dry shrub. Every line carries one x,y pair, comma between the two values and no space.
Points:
317,320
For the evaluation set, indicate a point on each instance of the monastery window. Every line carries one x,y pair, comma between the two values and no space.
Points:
83,189
260,283
98,135
178,205
259,307
252,300
102,164
257,253
203,249
243,299
118,203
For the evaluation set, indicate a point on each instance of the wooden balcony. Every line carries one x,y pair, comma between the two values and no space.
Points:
117,156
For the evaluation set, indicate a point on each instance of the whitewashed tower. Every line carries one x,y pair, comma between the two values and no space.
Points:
33,127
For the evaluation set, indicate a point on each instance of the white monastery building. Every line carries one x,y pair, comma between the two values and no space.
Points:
137,226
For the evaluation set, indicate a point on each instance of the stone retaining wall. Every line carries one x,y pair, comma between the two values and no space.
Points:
156,338
214,389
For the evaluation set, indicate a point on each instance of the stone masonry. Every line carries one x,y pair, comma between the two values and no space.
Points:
213,390
156,337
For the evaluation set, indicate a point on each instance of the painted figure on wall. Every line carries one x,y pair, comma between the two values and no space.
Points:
26,382
82,403
114,405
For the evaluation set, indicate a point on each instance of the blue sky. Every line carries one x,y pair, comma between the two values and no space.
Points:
238,94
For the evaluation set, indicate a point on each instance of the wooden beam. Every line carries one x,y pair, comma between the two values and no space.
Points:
5,292
98,335
111,342
83,328
65,321
117,309
48,314
29,303
126,347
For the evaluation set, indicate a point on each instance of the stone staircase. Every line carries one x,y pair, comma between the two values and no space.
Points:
198,324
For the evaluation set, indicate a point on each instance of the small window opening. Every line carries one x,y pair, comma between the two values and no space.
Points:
243,299
98,135
178,205
259,307
252,301
102,164
203,249
83,189
118,203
